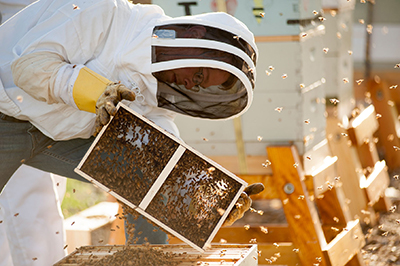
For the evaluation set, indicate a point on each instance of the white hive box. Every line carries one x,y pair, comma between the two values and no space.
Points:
162,178
338,4
339,58
279,37
279,17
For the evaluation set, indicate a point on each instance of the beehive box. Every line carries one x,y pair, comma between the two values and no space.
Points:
339,58
162,178
177,255
278,18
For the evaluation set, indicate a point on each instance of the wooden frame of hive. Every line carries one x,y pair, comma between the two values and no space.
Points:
221,254
207,190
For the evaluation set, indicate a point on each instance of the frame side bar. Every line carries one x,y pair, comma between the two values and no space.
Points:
162,177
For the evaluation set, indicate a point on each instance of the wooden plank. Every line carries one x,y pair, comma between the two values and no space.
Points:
368,154
235,234
345,245
278,253
323,177
254,164
270,191
363,126
376,183
238,234
389,125
317,31
349,167
283,38
333,212
117,237
301,214
314,158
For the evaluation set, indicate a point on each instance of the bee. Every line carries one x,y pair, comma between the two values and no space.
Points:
361,21
315,12
284,76
393,87
369,28
345,80
264,229
75,7
359,81
325,50
334,101
321,18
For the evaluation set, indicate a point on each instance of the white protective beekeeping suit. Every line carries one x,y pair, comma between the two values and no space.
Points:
36,197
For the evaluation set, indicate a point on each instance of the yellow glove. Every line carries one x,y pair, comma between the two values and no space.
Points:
106,104
243,204
96,94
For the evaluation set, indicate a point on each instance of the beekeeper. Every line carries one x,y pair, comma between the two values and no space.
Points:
70,62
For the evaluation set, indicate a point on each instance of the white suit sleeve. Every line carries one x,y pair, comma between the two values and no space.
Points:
53,52
46,76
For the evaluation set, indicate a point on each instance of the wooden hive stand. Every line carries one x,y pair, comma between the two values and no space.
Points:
353,142
318,229
375,178
389,124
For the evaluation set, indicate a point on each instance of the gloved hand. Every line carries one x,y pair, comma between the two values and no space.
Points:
106,104
243,204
